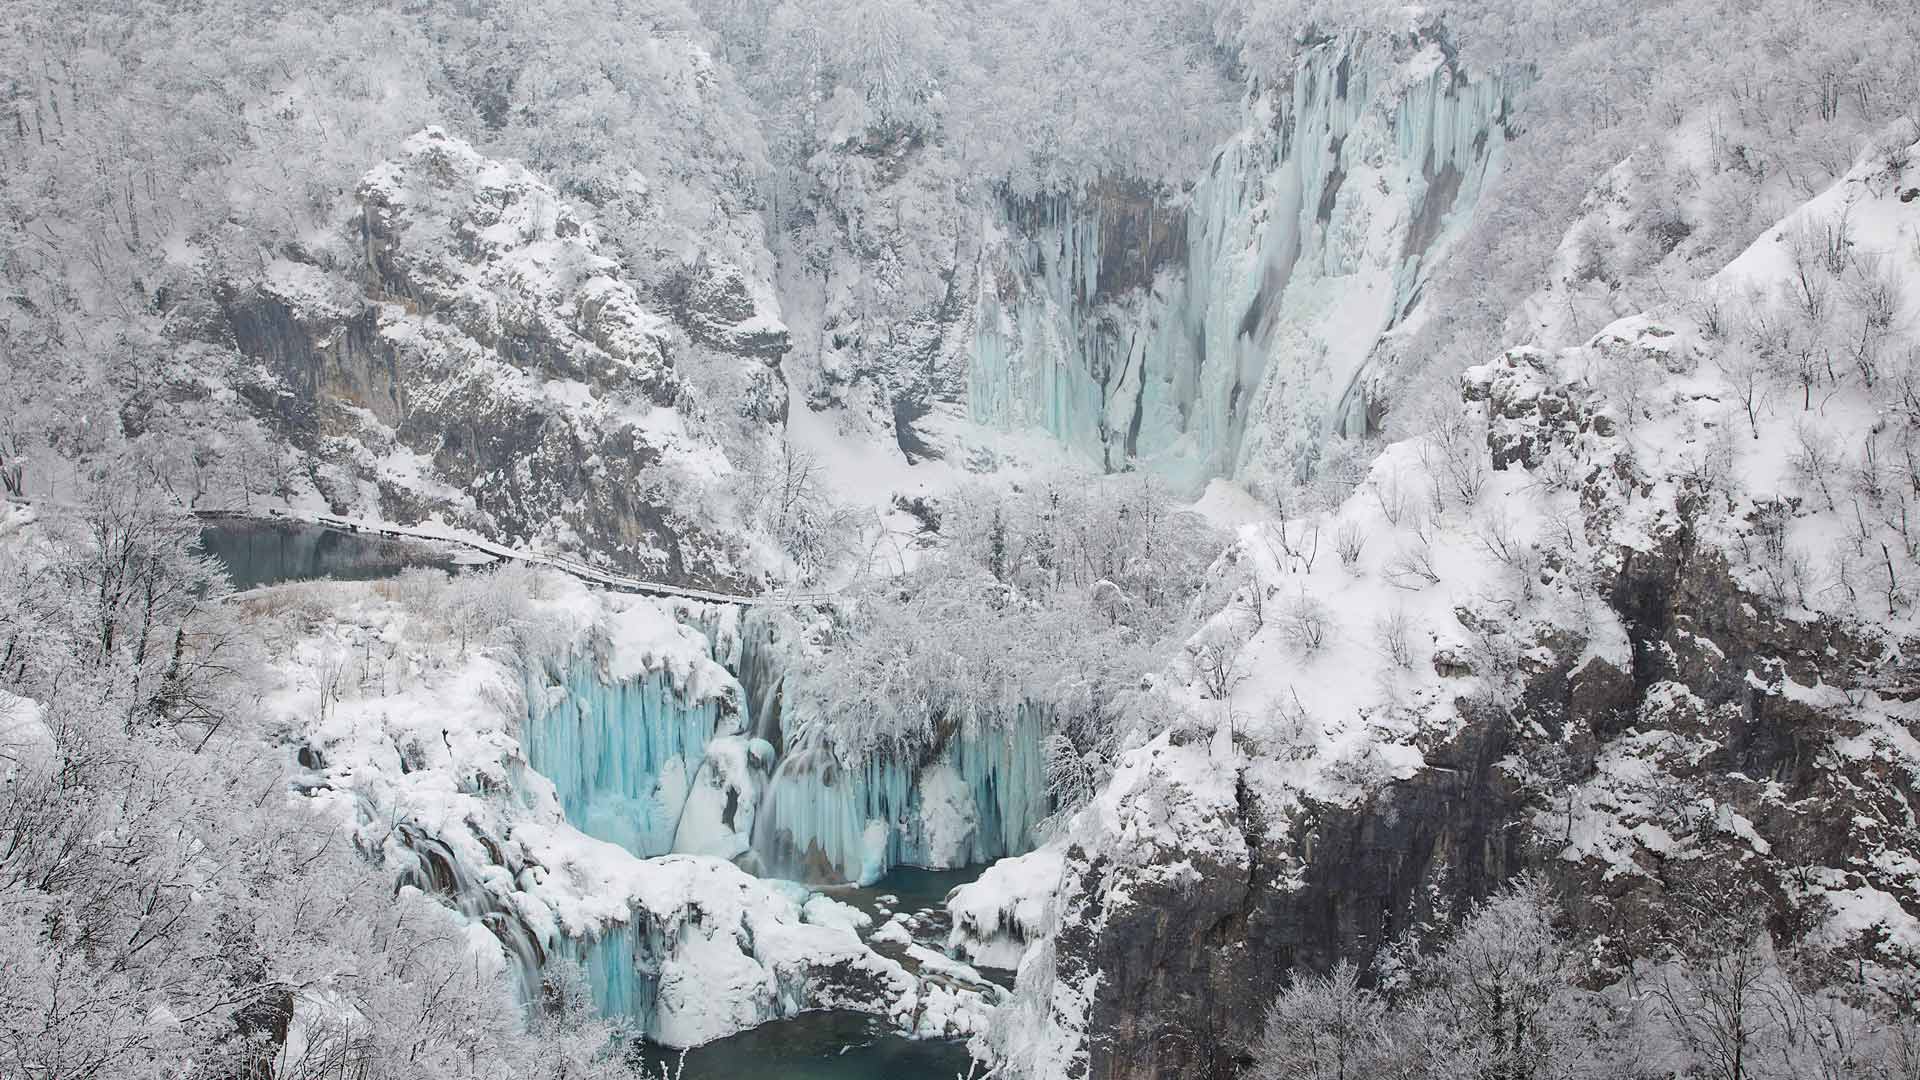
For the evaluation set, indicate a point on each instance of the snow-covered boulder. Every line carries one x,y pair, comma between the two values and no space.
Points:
717,816
1005,908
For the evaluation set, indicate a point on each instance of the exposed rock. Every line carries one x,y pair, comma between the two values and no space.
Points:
1733,740
494,370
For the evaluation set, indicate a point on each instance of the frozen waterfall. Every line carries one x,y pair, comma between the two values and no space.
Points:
979,799
1308,239
622,754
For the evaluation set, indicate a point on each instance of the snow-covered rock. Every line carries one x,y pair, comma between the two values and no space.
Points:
493,368
998,914
1611,621
717,816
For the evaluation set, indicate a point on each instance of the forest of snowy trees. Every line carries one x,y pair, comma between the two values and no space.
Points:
164,903
1504,996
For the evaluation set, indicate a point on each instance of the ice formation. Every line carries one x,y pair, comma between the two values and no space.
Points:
622,755
826,820
1310,237
587,794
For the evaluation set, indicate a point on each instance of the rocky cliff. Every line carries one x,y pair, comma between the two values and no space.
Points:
477,356
1637,617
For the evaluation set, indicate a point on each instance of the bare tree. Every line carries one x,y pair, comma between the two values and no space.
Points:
1814,461
1215,655
1306,623
1322,1027
1746,373
1714,997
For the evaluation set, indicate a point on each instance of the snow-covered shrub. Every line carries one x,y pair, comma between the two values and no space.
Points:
1349,541
1306,623
1413,567
1214,655
1393,633
1453,453
1292,731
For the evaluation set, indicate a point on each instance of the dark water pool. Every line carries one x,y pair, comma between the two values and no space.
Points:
921,894
815,1046
842,1045
256,553
912,890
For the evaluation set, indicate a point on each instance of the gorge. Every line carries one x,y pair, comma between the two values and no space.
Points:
1092,540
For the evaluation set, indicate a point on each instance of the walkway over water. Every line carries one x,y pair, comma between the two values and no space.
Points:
440,534
443,535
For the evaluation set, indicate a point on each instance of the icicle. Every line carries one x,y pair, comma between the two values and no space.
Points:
824,822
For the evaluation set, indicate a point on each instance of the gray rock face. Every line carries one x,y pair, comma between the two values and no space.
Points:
1749,762
491,367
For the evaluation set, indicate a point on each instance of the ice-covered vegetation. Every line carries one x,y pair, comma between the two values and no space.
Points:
1053,598
1505,995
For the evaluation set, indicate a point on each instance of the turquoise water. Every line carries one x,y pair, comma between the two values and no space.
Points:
815,1046
923,895
913,890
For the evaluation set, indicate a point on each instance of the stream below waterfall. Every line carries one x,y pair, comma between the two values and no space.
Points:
834,1045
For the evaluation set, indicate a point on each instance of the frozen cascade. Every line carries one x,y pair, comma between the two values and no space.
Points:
979,799
435,868
623,754
613,969
1309,238
622,714
660,758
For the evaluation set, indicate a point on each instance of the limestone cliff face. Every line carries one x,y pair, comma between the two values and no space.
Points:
1731,743
482,360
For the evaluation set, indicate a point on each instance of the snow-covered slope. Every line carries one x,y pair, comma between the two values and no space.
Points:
1637,614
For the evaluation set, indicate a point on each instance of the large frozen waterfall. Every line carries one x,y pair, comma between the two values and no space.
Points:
658,750
1244,346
